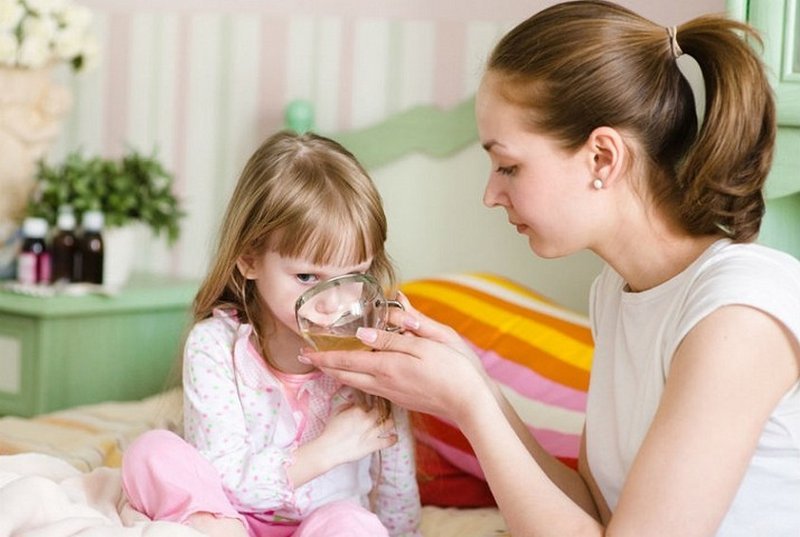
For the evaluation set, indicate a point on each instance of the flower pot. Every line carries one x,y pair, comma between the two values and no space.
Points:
120,245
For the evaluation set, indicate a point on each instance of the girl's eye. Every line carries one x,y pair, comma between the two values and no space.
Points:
506,170
307,278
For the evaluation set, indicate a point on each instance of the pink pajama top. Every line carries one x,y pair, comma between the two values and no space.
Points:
248,419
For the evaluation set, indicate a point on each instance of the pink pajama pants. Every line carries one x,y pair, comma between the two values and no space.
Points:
166,478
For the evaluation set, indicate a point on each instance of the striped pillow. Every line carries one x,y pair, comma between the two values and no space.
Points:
539,352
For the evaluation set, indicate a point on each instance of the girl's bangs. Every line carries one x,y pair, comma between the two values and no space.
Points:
334,243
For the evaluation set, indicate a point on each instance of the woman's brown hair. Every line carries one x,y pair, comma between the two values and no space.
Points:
580,65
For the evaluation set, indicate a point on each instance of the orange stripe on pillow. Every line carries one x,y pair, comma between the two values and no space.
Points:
463,295
575,331
486,336
551,353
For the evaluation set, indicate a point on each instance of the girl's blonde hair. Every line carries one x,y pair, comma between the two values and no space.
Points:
300,195
580,65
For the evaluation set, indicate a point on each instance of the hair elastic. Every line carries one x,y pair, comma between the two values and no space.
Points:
672,32
691,71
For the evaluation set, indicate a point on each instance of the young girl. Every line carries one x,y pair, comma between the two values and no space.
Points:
596,142
273,446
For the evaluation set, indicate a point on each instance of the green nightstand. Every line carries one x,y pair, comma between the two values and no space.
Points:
62,351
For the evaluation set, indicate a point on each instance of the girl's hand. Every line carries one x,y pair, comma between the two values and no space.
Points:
353,433
350,434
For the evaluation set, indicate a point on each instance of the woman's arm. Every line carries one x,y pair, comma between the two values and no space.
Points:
725,380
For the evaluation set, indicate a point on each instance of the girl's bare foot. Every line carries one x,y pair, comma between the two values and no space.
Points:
216,526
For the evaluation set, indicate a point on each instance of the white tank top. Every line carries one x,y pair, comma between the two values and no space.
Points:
636,335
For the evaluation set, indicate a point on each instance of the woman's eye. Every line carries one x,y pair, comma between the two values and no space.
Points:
506,170
307,278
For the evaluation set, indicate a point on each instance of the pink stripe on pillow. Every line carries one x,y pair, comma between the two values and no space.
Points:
529,383
555,443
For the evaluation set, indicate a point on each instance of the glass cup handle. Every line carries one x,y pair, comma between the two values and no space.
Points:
393,304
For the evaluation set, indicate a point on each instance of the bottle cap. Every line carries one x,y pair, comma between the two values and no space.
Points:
92,221
66,220
34,227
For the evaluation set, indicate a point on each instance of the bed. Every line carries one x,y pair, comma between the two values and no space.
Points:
59,471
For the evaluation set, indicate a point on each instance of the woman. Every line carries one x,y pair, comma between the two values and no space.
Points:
693,415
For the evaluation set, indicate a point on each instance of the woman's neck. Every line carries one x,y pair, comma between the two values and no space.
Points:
647,252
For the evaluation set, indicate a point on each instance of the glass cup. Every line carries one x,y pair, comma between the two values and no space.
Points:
329,313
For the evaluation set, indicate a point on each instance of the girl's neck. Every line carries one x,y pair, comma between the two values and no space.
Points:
280,348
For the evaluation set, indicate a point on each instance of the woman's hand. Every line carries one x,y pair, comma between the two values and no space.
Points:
428,368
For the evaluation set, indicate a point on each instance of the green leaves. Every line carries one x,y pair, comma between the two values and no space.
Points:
135,188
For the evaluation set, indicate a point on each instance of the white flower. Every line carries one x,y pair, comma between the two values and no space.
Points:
11,13
34,33
39,27
34,51
68,44
77,18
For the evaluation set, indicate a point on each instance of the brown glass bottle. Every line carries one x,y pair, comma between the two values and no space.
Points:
91,248
63,248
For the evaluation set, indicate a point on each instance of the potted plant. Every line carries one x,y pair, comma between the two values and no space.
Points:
135,189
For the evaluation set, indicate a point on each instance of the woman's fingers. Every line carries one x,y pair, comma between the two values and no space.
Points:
413,321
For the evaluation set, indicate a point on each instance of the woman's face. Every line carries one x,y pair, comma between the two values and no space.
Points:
542,187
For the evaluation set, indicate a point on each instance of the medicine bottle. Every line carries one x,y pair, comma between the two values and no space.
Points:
64,246
33,263
91,247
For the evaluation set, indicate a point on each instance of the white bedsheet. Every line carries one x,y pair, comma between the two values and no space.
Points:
44,496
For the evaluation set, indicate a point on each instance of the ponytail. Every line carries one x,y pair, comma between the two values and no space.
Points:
723,173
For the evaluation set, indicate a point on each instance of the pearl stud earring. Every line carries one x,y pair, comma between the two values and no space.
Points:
597,184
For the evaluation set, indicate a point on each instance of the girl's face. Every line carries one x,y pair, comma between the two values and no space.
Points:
543,189
281,280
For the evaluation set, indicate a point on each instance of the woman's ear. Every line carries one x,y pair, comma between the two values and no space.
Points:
609,154
247,267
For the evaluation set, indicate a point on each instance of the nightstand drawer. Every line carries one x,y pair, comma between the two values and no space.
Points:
64,351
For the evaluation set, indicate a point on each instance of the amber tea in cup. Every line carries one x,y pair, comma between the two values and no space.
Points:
329,313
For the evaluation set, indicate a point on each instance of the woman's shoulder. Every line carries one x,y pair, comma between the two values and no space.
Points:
752,275
751,265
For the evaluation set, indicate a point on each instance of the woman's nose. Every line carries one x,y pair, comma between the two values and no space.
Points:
492,194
